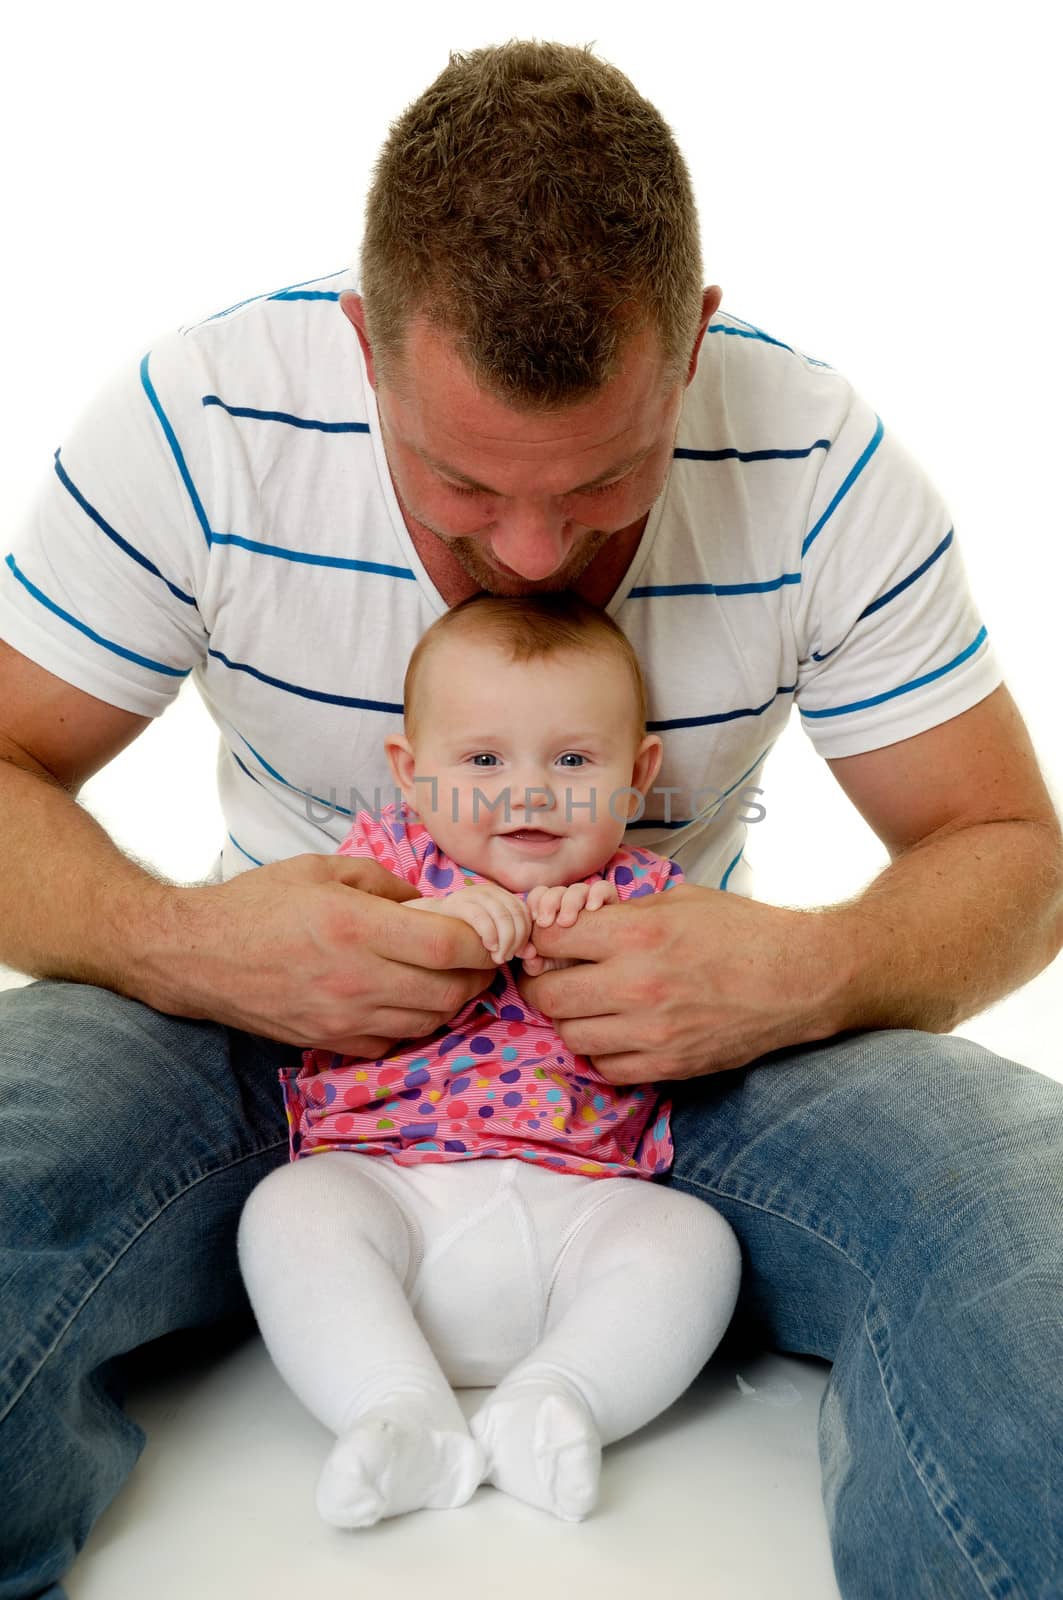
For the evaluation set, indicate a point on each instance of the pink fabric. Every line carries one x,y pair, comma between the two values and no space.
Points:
498,1080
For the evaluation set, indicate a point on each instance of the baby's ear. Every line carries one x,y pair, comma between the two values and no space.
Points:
647,763
400,756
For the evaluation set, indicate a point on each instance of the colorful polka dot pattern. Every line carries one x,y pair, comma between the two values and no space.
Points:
498,1080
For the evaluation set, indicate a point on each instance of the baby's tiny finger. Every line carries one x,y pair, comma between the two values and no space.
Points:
483,923
572,903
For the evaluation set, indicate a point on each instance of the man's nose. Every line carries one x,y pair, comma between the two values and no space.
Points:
532,540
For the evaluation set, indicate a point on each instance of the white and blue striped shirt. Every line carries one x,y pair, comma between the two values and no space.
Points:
226,511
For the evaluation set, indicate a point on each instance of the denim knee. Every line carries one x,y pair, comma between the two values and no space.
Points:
129,1141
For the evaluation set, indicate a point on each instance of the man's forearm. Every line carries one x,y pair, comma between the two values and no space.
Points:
71,904
948,928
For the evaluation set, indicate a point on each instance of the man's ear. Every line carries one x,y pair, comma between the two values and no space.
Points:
399,752
710,304
354,310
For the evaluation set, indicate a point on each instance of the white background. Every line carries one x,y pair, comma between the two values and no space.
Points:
878,185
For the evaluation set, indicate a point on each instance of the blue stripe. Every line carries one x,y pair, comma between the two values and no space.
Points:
648,822
123,544
258,546
898,588
904,688
171,439
682,454
721,716
270,294
875,441
305,793
727,875
307,694
244,767
90,633
718,802
305,294
755,332
282,551
647,591
284,416
244,852
747,774
749,333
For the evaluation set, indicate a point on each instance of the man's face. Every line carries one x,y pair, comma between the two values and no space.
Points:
525,500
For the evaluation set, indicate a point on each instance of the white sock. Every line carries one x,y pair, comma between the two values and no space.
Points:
541,1445
399,1455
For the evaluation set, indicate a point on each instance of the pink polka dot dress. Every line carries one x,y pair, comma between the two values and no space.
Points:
497,1080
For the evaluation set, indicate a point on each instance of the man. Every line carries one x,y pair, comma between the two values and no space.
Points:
533,391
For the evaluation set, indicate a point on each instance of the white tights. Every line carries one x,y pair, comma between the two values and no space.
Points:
587,1304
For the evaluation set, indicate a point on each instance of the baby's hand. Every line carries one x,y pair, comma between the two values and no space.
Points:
562,904
502,921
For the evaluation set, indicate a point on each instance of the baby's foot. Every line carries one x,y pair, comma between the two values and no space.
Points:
385,1465
542,1446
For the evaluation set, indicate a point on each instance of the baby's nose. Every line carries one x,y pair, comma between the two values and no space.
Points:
539,796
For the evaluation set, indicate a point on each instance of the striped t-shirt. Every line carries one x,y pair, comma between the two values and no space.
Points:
225,509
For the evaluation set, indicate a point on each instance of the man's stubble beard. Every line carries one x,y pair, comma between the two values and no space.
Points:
466,552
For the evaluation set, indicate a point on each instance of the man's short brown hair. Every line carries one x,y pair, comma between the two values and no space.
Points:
535,207
530,628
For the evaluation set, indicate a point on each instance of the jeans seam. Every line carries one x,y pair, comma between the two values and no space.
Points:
771,1211
948,1496
149,1222
935,1486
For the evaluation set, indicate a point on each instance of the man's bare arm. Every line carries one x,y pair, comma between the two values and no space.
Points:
69,898
971,906
286,950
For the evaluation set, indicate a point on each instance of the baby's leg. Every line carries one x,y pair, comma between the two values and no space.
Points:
642,1293
325,1253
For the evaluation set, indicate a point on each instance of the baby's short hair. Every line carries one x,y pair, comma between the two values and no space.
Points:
530,628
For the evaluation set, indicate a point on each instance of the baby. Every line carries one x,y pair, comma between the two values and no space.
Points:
476,1223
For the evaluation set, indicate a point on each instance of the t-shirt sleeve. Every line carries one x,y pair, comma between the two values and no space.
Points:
889,640
101,585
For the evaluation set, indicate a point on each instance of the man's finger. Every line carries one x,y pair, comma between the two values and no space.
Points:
428,943
397,1025
612,929
589,989
598,1036
626,1067
358,872
365,1047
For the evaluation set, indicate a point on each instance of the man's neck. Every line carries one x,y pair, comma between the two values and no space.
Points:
596,584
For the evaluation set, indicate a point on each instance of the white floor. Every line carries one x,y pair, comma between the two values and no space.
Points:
719,1498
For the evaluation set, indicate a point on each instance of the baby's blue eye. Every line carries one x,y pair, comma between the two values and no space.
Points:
484,757
572,756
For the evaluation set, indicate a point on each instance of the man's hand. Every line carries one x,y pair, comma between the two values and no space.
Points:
316,950
562,904
502,921
694,981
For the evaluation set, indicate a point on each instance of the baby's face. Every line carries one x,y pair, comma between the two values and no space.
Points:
532,762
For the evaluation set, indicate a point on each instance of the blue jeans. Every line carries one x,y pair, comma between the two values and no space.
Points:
898,1197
